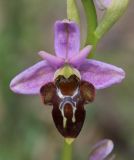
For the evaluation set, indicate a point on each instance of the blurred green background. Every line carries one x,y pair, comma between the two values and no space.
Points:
27,131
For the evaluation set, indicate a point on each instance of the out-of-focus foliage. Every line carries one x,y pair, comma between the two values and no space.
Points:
26,128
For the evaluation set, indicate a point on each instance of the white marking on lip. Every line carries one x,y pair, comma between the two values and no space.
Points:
64,96
61,106
73,118
62,112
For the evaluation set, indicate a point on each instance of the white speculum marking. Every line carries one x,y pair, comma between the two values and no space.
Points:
66,99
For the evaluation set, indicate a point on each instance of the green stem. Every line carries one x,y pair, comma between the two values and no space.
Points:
72,11
111,16
67,151
91,17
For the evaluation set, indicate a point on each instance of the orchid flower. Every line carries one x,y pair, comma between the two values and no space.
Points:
67,80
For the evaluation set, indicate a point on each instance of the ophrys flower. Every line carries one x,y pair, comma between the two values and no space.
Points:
68,80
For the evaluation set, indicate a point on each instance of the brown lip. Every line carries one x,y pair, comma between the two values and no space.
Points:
68,110
72,129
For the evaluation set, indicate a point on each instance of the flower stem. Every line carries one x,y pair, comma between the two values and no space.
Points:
72,11
67,151
91,18
113,12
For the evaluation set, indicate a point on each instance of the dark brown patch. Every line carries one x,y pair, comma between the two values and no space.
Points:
47,92
68,111
87,91
67,86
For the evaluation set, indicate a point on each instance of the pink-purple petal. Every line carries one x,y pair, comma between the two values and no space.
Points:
53,61
67,39
101,74
80,58
101,150
32,79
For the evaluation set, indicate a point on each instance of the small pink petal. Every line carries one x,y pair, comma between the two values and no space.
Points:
54,61
101,74
32,79
80,58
